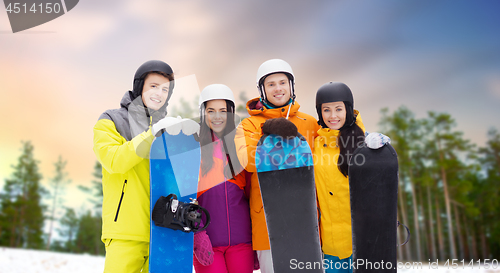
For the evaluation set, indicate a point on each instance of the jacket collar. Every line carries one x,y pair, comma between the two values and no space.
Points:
139,118
255,108
137,108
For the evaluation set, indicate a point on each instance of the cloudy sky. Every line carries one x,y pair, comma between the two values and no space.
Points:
57,78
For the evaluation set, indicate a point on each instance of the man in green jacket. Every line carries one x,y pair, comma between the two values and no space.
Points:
122,139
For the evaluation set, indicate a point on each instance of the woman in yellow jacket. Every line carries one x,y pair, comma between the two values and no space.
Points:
341,133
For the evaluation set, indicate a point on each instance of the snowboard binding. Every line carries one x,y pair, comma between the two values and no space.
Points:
174,214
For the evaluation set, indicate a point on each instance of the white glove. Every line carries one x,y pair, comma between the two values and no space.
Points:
190,127
173,126
376,140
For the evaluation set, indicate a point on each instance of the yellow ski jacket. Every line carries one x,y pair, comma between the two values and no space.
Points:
125,170
332,189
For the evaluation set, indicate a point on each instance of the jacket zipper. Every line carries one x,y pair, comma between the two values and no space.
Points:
121,199
227,213
227,161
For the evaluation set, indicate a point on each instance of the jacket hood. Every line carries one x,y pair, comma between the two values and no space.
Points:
138,117
129,97
139,107
126,99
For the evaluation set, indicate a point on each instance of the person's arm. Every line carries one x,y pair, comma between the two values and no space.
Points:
114,153
246,139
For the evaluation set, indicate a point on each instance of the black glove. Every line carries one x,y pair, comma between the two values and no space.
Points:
280,126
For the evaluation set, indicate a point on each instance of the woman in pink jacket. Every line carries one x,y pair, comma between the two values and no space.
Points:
221,189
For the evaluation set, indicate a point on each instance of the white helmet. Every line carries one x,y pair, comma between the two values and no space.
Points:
216,92
275,66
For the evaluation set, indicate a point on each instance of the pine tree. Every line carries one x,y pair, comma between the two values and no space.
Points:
241,110
185,109
57,183
95,190
21,208
438,176
89,233
90,226
487,195
444,146
68,229
403,130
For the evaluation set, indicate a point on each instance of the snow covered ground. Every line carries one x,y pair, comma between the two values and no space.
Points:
36,261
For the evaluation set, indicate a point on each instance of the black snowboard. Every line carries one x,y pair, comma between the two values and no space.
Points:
373,183
286,179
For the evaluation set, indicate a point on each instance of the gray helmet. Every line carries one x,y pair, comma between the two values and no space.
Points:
332,92
146,68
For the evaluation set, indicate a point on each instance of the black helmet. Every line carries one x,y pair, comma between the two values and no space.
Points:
147,67
332,92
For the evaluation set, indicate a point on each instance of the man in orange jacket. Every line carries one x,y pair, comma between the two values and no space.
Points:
275,82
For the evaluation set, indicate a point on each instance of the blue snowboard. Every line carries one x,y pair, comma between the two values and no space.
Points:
174,167
286,180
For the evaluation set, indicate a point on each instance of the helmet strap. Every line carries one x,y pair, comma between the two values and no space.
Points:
288,113
262,92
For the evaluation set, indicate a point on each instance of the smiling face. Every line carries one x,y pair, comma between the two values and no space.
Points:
277,88
155,91
333,114
216,115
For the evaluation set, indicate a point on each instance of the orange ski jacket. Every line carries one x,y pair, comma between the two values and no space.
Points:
247,136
